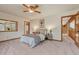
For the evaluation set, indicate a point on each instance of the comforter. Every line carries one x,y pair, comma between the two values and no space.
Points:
31,40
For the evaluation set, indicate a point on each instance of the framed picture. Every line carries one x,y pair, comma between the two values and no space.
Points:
42,23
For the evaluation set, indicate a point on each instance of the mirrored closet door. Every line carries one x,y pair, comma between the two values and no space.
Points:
77,30
72,27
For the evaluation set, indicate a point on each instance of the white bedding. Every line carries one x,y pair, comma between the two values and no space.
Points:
42,37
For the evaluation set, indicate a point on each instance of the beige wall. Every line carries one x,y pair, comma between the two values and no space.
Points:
11,35
53,21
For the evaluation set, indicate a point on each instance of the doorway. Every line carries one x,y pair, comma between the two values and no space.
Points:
26,27
70,27
64,26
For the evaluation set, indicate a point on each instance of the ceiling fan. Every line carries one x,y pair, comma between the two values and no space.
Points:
31,8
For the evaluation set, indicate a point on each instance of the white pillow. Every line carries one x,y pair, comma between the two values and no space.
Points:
42,37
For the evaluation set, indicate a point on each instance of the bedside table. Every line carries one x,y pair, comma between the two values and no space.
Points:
49,37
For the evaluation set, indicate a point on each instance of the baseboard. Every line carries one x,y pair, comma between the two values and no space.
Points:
77,44
10,39
57,40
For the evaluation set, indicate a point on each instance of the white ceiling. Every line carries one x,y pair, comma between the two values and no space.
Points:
46,9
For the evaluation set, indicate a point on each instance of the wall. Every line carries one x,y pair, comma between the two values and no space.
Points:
53,22
11,35
57,29
34,25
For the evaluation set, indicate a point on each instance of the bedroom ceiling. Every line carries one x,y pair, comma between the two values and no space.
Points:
46,9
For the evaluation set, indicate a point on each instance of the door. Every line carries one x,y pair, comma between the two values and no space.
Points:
65,26
72,28
77,30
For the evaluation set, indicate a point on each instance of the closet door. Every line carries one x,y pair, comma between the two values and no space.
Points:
72,28
77,29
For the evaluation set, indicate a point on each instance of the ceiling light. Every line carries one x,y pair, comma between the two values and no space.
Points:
31,11
31,8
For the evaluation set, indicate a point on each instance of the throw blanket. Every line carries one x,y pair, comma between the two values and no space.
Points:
31,40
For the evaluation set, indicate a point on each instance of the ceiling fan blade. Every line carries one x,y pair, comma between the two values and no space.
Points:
34,7
37,11
25,5
25,11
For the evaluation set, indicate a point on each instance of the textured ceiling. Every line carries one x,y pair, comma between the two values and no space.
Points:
46,9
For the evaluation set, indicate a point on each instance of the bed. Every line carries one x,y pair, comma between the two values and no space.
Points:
32,40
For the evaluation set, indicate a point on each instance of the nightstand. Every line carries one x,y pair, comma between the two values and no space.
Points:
49,37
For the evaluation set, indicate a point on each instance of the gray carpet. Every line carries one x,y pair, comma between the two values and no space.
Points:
15,47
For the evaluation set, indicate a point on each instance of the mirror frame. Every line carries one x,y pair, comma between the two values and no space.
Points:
10,21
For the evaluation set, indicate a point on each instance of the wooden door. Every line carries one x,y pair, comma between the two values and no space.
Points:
64,26
72,28
77,30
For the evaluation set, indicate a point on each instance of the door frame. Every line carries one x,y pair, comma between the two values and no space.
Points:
61,26
65,17
28,24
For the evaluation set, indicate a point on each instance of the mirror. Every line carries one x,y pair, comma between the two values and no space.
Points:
72,25
72,28
65,25
8,25
77,29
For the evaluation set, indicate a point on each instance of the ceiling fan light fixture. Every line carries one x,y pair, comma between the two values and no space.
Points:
31,8
31,11
28,5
